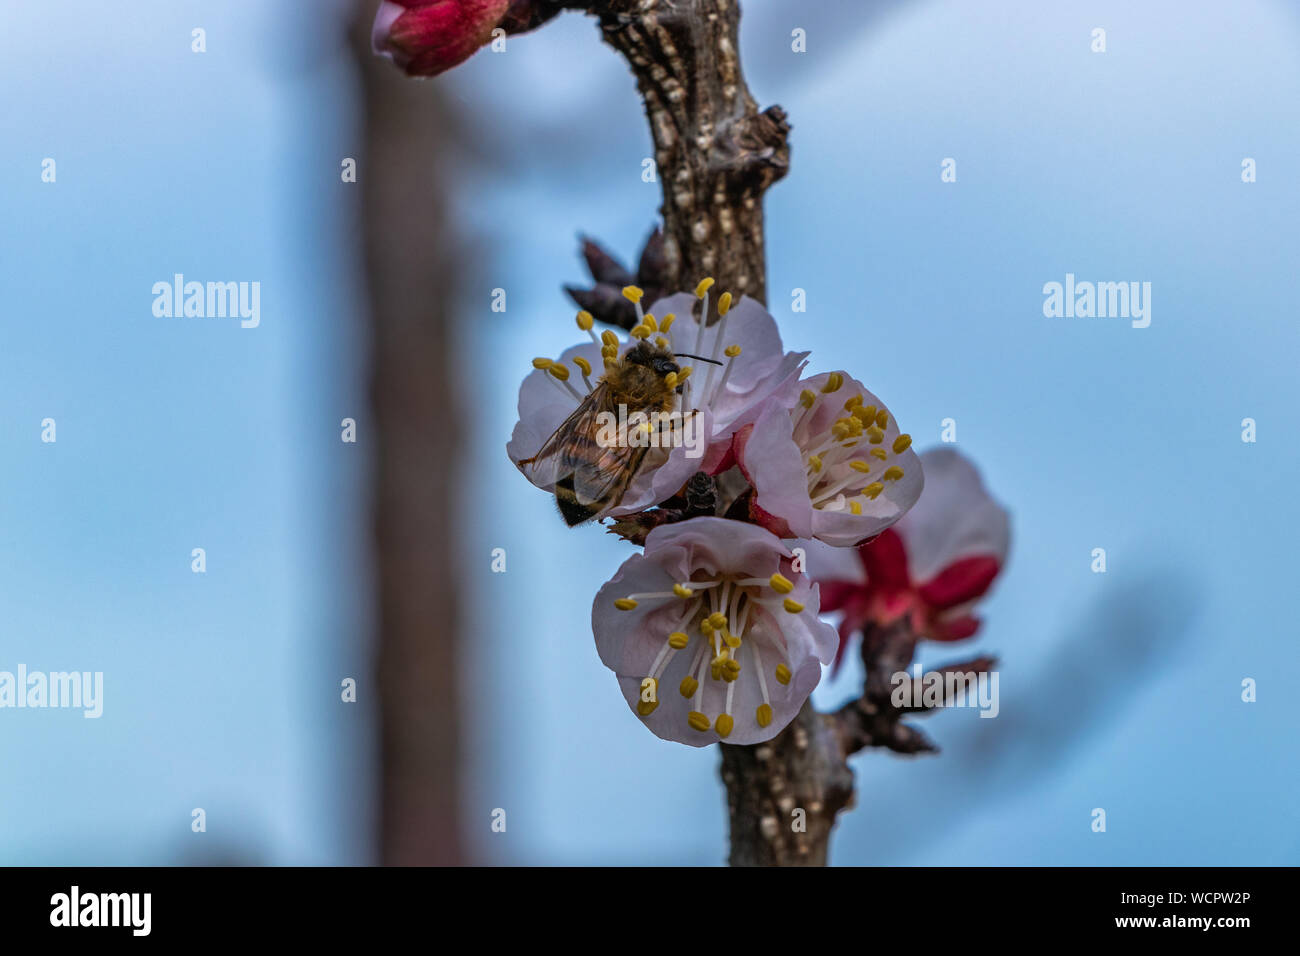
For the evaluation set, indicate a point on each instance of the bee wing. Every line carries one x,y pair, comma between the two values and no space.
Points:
599,473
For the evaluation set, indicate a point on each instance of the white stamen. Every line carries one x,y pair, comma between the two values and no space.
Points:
565,386
717,345
726,374
699,691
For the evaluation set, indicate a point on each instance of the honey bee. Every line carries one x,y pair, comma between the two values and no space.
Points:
588,476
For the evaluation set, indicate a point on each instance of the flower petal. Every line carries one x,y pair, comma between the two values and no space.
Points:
778,630
960,582
955,517
815,479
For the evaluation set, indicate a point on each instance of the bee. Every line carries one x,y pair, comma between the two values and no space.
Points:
587,476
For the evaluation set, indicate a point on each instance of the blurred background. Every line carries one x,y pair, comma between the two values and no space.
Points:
222,690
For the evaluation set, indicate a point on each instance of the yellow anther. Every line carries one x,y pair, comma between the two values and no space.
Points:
859,465
861,415
632,293
725,724
833,383
882,418
609,338
682,591
662,342
704,286
640,332
793,606
763,714
542,363
645,708
783,673
875,434
731,640
649,320
873,490
892,473
718,620
724,303
671,379
855,508
815,462
731,668
852,403
841,431
869,414
902,443
649,697
585,320
698,721
677,640
583,365
688,686
879,453
667,323
559,371
715,668
780,583
806,398
609,353
625,604
684,374
731,351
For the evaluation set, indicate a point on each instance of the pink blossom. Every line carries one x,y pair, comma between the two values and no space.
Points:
753,369
934,565
834,467
711,633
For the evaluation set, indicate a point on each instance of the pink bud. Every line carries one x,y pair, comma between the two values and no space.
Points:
426,37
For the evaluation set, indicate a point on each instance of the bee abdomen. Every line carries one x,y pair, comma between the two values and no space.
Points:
572,510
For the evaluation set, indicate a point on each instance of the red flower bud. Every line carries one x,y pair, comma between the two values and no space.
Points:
426,37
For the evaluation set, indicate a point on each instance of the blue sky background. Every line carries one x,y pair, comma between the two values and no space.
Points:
1119,691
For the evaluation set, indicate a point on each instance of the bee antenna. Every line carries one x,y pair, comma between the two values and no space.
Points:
700,357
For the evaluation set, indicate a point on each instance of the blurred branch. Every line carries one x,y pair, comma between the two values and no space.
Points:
412,274
874,719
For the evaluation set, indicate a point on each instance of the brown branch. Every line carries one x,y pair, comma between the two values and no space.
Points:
715,152
412,273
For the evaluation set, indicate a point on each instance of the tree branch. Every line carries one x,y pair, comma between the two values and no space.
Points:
412,273
715,153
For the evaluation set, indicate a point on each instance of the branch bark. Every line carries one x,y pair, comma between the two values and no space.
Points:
715,152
